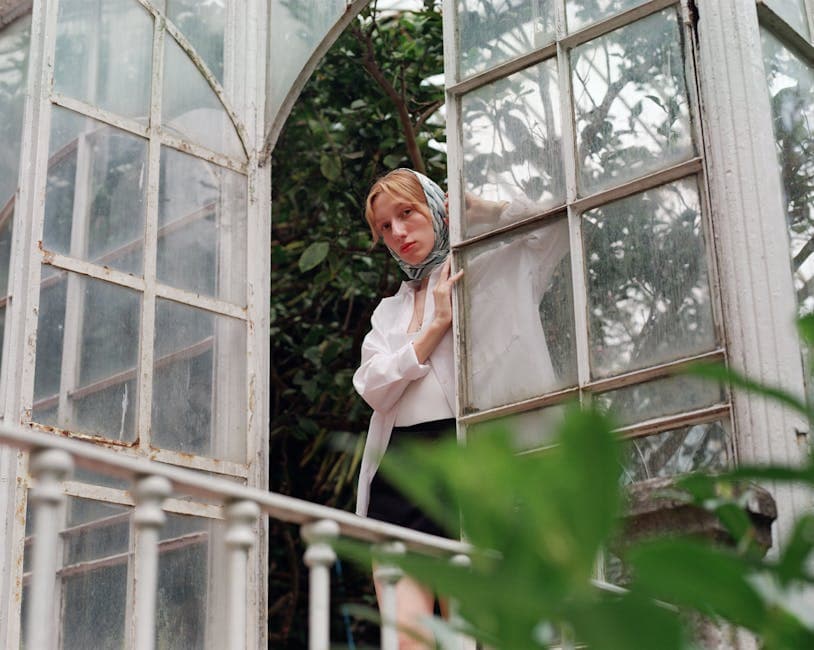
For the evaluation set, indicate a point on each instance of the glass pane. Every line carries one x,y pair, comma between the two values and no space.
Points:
791,89
512,139
14,41
630,98
204,25
648,288
793,12
199,386
518,320
297,27
6,228
190,593
531,429
202,227
104,55
87,351
653,399
191,109
584,12
94,575
493,31
96,193
692,448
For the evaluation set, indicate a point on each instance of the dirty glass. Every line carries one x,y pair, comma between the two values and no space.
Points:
493,31
580,13
199,384
296,29
512,140
630,101
791,90
204,25
190,108
793,12
647,280
96,192
688,449
87,352
530,430
104,55
14,42
202,227
658,398
94,575
191,581
518,319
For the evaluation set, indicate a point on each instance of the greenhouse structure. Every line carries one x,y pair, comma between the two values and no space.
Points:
664,150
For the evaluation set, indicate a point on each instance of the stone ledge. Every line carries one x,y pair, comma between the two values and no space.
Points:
651,511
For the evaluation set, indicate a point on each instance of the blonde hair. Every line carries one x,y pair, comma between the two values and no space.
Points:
400,184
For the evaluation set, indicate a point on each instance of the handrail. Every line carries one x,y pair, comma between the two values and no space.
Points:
279,506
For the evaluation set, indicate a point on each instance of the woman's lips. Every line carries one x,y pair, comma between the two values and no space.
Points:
406,247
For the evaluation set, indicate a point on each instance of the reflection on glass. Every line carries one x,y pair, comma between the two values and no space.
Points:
793,12
518,316
6,228
191,109
791,90
658,398
648,289
204,25
14,42
96,192
199,385
692,448
87,351
630,98
189,597
584,12
297,27
202,227
94,574
493,31
512,137
530,429
104,54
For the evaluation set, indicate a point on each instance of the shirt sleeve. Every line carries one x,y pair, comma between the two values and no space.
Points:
385,372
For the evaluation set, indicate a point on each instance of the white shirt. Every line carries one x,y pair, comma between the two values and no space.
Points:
389,365
508,359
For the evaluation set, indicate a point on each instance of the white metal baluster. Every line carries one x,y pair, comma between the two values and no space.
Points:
149,494
48,467
389,575
241,517
463,642
319,557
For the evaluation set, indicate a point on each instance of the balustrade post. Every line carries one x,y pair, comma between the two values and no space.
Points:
48,468
241,518
319,557
149,494
388,576
463,642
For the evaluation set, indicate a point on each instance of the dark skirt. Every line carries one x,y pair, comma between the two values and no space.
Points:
387,503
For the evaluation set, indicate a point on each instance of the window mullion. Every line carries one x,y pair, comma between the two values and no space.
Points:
151,241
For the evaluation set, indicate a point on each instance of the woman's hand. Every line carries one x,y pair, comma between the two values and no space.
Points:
442,294
431,335
478,210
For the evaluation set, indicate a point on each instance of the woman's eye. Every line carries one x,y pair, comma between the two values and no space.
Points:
407,212
385,226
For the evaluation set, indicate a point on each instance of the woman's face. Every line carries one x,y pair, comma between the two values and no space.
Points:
405,227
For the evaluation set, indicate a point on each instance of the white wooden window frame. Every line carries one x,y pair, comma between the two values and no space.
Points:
242,98
576,205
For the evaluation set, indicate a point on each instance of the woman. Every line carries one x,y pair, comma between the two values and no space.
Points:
407,371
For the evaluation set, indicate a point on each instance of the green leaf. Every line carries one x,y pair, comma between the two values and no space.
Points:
313,255
330,166
391,161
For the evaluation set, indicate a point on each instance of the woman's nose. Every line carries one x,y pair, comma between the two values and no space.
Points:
398,230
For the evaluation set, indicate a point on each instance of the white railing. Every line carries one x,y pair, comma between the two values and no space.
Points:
52,460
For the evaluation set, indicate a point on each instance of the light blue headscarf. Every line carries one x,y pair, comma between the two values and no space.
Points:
435,200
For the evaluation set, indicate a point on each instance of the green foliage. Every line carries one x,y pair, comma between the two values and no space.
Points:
537,522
